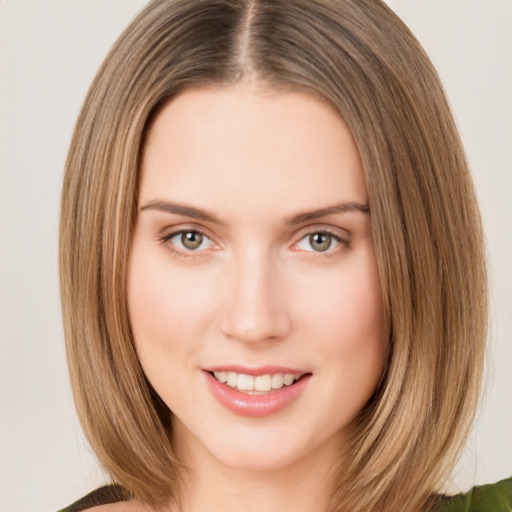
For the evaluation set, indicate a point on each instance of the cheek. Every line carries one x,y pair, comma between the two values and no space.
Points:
347,300
167,304
346,319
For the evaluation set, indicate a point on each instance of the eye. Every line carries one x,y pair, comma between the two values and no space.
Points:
188,241
321,241
191,239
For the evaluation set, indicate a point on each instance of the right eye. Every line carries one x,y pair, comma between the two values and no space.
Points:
187,241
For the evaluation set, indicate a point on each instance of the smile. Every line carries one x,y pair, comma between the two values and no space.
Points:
268,392
260,384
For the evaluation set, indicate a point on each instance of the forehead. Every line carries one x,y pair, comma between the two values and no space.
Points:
251,146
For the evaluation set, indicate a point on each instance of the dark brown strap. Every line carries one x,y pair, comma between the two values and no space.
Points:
107,494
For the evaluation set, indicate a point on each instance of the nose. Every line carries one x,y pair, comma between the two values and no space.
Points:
255,305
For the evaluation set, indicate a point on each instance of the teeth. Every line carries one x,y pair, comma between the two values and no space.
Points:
245,382
221,376
232,379
288,379
277,380
259,384
263,383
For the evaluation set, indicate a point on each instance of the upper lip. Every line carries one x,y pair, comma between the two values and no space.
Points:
255,371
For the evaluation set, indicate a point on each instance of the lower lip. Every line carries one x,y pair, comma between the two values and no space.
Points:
257,406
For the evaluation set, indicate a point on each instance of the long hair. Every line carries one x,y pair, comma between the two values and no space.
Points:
358,56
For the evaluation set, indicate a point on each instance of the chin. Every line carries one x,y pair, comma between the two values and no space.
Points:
258,460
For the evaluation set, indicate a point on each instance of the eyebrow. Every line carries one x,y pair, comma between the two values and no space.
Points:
200,214
181,209
351,206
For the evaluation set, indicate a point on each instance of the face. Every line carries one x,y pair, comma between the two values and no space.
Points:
253,291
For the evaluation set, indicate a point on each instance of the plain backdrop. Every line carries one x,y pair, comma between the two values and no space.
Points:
49,53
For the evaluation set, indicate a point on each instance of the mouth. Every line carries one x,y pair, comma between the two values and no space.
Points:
256,393
259,384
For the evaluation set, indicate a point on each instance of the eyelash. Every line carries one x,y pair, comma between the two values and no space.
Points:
343,243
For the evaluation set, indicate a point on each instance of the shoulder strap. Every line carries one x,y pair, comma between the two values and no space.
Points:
112,493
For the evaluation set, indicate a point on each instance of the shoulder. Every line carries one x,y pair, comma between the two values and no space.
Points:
482,498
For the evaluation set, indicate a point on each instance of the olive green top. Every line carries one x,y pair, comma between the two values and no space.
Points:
482,498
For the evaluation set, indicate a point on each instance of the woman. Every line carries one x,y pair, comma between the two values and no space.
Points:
272,266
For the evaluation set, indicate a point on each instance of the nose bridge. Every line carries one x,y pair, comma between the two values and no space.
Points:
255,309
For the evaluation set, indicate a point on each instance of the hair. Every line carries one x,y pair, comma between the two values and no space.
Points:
359,57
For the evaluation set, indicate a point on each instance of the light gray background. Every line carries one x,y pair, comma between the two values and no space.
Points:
49,53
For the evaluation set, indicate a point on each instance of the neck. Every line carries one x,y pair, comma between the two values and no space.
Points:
231,490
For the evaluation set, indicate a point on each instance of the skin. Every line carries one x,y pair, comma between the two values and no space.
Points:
257,291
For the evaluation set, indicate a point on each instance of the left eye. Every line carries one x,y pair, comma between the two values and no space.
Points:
190,240
319,242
